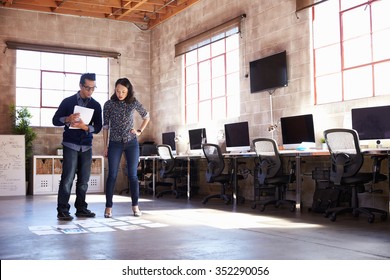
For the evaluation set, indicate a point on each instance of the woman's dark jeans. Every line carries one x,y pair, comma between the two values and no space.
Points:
131,151
74,162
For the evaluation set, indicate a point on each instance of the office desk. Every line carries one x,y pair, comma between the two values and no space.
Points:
234,157
312,152
298,174
298,155
153,158
284,153
381,152
186,157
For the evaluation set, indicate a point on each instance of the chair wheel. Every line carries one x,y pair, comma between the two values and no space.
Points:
326,215
293,208
262,208
371,219
254,205
332,217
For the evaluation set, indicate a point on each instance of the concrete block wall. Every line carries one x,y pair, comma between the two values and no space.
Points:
73,32
148,61
269,27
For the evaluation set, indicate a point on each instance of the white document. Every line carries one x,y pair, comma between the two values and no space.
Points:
85,114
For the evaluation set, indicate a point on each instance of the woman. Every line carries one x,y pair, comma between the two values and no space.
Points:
118,122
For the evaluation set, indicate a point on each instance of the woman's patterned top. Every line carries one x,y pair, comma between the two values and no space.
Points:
118,117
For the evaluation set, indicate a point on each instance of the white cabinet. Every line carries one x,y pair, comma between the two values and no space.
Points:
47,175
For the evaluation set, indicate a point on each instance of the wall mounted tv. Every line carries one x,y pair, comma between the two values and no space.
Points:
268,73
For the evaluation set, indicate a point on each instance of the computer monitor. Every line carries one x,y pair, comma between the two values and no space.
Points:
372,123
168,138
197,137
237,137
298,131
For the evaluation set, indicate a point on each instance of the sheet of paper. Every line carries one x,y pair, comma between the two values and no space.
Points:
85,114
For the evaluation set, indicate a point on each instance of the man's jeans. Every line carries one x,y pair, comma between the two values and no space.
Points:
74,162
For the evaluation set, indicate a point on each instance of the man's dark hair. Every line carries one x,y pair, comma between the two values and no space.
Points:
87,76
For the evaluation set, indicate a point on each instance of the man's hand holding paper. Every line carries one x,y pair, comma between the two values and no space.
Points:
81,117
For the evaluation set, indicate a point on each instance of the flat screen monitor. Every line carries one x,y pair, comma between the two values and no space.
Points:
268,73
197,137
237,137
168,138
298,131
372,123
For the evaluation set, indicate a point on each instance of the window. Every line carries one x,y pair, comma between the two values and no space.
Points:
44,79
211,72
351,50
212,88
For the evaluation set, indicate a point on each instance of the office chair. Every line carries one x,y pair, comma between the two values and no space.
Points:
269,176
173,168
215,173
346,162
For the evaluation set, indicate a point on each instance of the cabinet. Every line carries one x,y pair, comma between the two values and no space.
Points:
47,175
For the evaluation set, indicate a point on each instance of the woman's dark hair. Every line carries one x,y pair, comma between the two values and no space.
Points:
130,95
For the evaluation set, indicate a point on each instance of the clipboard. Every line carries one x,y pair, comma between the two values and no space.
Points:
85,114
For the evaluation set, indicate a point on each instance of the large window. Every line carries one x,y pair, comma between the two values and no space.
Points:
351,49
212,88
44,79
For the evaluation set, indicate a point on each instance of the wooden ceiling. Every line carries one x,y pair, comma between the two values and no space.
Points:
146,14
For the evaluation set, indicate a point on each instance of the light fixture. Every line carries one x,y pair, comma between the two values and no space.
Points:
272,127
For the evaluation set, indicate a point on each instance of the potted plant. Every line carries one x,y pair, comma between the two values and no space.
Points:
323,143
20,120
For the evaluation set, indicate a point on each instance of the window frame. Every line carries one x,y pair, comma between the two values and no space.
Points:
214,105
346,81
41,84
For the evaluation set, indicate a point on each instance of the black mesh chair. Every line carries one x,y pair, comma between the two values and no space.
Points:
172,168
346,162
216,173
269,176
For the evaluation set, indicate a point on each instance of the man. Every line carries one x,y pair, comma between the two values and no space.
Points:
77,144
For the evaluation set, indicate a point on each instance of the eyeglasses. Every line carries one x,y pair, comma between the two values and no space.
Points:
87,88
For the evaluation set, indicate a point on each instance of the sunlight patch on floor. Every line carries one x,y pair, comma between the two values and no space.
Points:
101,198
228,220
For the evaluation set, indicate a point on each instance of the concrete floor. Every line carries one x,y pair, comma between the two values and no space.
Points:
177,229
